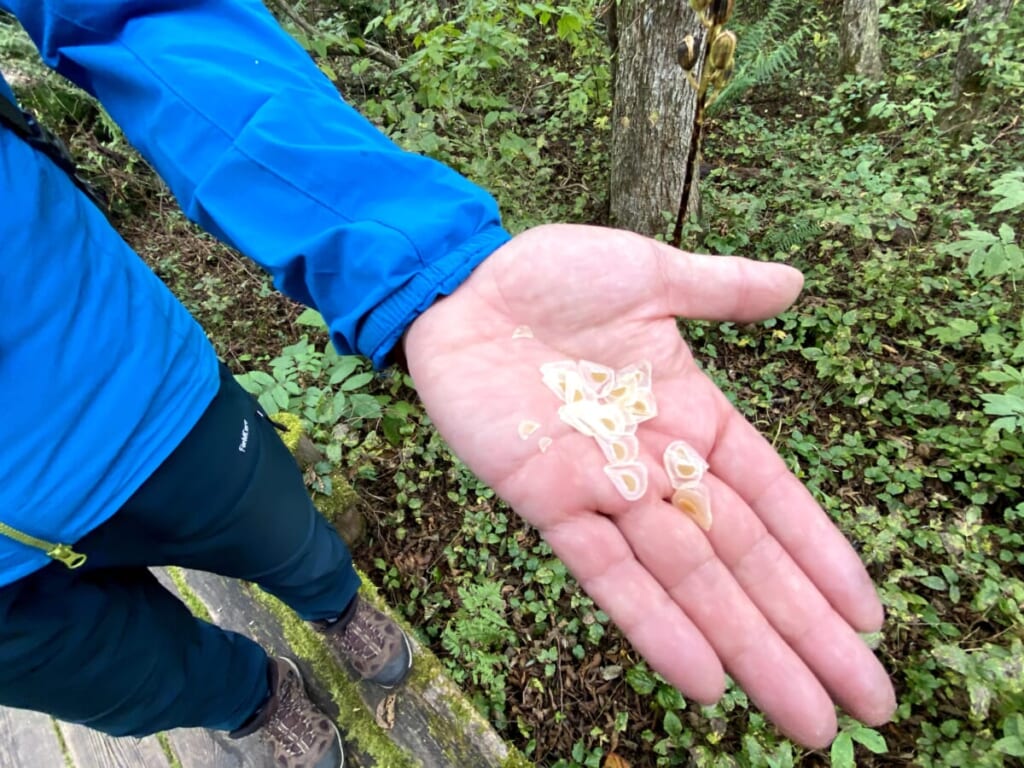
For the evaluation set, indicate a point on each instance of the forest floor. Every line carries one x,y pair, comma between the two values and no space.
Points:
880,388
554,696
557,679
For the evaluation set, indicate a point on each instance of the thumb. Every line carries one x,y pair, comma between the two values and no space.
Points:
729,288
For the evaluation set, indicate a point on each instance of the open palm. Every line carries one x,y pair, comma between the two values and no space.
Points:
772,594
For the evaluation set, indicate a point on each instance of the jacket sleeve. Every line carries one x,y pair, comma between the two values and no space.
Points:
260,150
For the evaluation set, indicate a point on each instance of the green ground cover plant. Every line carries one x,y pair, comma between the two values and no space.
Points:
894,388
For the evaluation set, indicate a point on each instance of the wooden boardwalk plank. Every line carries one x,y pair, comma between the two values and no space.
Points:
28,739
469,741
92,749
200,748
433,726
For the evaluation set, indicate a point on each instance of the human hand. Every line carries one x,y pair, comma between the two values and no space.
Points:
772,594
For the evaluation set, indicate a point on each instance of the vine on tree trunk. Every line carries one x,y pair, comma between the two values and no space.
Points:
715,52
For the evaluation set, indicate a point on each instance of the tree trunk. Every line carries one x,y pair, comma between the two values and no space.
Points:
653,115
860,50
969,76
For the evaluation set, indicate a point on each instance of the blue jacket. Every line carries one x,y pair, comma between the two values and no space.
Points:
102,371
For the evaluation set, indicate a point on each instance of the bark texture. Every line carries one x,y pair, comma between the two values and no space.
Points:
860,51
969,76
652,116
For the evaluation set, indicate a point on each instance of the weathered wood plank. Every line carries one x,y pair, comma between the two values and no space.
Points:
200,748
28,739
92,749
232,608
434,725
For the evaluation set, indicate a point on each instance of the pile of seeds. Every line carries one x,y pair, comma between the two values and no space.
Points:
608,405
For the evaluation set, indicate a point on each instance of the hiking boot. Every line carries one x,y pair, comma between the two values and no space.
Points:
373,644
300,735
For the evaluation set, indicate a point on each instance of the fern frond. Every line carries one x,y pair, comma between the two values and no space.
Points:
761,56
791,234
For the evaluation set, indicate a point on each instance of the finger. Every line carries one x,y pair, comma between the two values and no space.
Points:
746,461
593,549
723,287
779,587
678,554
796,609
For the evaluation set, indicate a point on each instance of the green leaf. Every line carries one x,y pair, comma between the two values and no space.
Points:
870,738
979,236
934,582
391,427
261,378
280,396
1014,725
753,750
782,757
670,698
319,46
1003,405
980,696
1010,745
268,404
842,751
365,406
245,381
955,330
343,369
357,381
338,407
1002,376
334,453
641,680
1008,203
1010,188
311,317
568,25
672,724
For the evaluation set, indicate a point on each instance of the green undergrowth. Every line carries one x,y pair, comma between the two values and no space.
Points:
894,388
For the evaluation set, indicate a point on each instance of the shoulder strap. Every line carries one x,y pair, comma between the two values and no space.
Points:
31,132
14,119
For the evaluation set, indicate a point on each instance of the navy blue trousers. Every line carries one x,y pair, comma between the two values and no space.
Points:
107,646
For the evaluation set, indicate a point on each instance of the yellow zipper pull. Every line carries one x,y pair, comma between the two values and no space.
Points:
65,554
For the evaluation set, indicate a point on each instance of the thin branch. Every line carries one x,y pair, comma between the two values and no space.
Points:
374,52
308,29
690,172
381,56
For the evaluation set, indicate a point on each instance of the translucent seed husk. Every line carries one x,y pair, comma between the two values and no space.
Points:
694,500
